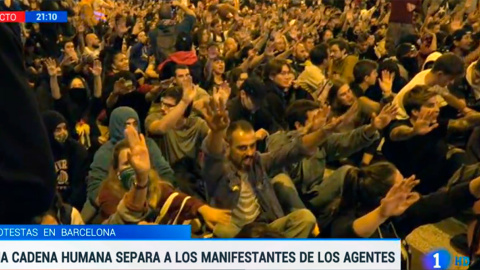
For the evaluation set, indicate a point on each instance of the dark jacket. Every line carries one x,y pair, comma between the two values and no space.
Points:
26,164
71,163
223,181
259,119
278,100
429,209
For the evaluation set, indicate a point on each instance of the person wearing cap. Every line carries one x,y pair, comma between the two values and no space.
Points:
248,106
462,46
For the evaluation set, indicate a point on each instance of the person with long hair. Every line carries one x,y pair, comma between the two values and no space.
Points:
377,201
133,192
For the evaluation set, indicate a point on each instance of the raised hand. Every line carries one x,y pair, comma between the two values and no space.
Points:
97,68
189,90
222,93
386,82
423,124
51,67
119,87
399,198
216,115
386,115
138,157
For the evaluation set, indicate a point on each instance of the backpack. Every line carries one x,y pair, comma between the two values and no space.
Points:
165,42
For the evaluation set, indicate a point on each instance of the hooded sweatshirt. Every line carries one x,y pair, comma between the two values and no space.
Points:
71,162
103,157
27,175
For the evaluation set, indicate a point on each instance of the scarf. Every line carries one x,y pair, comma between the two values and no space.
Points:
187,58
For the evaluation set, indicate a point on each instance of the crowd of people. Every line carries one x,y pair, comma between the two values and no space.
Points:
277,118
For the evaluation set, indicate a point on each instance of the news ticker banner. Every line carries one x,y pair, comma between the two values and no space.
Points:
33,16
170,247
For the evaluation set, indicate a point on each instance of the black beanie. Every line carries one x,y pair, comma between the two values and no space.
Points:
52,119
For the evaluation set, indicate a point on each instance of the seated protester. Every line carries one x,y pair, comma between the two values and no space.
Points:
248,106
315,191
139,54
313,77
343,63
279,78
467,88
232,54
92,46
120,118
78,105
71,160
446,69
122,89
418,145
179,134
366,49
184,55
182,73
341,99
133,192
238,179
365,73
298,58
388,66
462,46
163,37
407,56
214,74
236,78
378,202
60,213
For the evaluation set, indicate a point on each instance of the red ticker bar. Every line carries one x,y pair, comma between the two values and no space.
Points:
12,16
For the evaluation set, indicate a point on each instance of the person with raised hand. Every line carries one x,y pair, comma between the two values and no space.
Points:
379,202
419,144
134,193
238,177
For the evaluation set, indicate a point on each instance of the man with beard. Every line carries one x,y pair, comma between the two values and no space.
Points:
299,56
343,63
71,160
237,176
462,46
445,70
92,50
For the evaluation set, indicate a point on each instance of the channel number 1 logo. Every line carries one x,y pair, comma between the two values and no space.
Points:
437,259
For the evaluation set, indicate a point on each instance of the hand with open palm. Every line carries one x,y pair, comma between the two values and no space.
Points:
51,67
386,115
423,125
97,68
386,82
138,157
216,115
399,198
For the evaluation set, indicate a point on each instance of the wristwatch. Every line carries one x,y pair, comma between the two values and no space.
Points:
137,186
